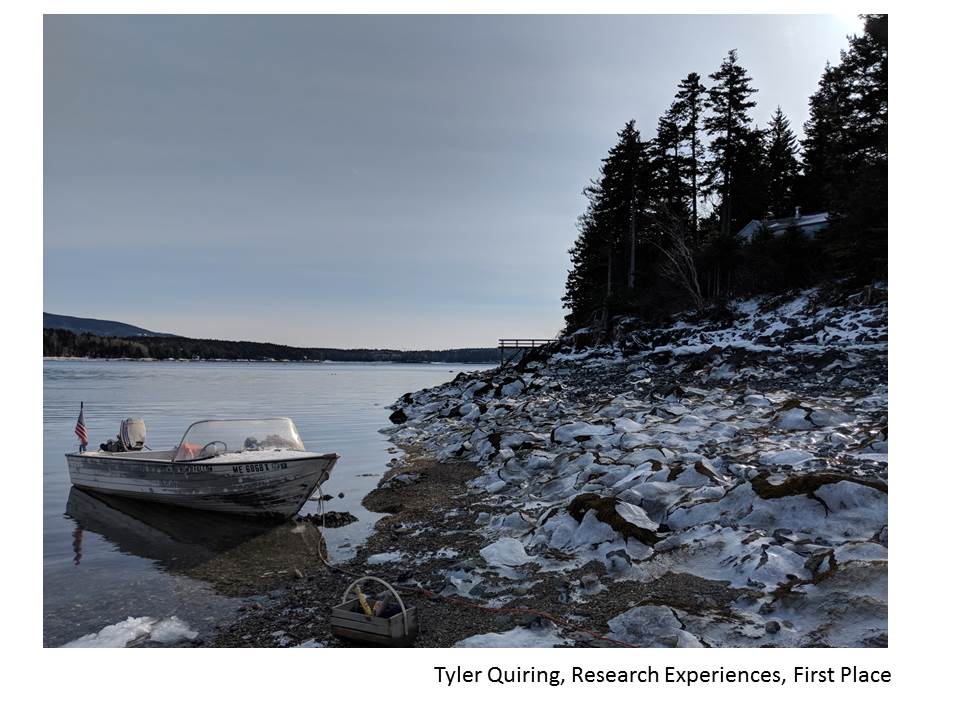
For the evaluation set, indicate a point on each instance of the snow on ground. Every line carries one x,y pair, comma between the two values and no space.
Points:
543,637
505,552
137,631
749,450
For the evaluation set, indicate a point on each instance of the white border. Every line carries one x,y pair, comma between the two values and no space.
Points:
366,683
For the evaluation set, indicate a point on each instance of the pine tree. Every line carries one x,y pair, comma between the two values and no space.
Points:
729,125
859,227
823,139
671,164
586,278
782,166
749,177
845,152
689,102
866,65
635,180
606,252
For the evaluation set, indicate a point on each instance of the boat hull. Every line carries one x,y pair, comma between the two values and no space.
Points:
275,488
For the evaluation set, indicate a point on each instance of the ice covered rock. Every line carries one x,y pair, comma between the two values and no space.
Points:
171,630
626,425
558,487
694,475
475,388
791,457
742,558
847,495
511,389
137,631
461,582
591,531
469,410
577,431
632,440
729,510
796,512
624,519
862,551
558,530
830,418
656,498
513,523
650,626
506,552
795,418
857,512
635,516
655,457
518,637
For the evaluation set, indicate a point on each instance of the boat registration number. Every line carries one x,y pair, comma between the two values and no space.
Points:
259,467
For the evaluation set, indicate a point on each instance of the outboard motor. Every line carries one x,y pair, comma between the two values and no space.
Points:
133,434
131,438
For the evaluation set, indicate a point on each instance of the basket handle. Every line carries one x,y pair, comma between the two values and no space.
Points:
388,586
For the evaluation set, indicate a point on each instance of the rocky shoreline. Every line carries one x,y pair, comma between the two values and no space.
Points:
715,481
295,612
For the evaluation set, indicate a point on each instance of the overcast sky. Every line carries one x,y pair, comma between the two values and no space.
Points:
406,182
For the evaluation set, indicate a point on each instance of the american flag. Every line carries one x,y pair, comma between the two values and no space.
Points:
81,429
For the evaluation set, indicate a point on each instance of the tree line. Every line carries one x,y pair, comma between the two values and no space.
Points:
660,231
64,343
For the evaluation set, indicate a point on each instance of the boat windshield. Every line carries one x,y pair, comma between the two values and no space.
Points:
209,438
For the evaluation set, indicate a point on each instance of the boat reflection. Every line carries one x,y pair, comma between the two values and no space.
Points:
238,555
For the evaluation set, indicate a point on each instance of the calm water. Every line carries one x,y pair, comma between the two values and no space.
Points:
106,561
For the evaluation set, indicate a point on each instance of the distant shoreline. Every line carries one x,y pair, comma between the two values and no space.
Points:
61,343
63,358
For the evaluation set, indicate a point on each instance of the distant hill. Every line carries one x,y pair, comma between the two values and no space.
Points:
66,343
104,328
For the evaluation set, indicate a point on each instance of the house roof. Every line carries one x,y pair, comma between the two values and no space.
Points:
776,225
803,220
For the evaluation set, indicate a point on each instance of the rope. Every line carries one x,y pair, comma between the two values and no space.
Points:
454,600
321,543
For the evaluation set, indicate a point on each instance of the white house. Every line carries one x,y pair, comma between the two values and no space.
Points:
809,225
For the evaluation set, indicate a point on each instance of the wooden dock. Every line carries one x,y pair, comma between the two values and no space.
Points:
517,347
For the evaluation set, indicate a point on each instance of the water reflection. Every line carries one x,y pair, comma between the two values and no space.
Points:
238,555
77,545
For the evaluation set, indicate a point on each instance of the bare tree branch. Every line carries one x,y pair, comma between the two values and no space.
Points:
680,266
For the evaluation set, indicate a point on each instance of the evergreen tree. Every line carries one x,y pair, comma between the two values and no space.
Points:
823,139
845,152
729,125
671,165
605,255
749,179
782,166
862,208
689,102
642,210
586,280
636,177
866,66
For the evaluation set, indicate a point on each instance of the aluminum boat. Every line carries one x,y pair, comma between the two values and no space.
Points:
246,467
